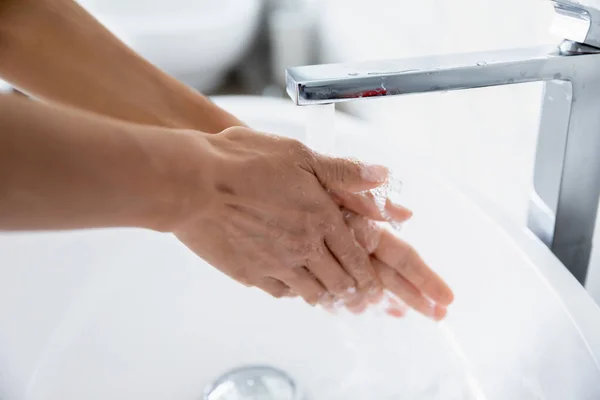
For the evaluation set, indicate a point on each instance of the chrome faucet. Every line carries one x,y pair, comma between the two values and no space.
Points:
564,204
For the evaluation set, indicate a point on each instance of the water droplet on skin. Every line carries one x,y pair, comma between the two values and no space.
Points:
396,225
381,195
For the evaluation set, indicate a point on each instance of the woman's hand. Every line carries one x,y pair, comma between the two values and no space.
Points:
400,268
131,89
270,221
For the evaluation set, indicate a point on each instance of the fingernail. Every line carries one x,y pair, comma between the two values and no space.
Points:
396,312
350,294
326,300
430,310
357,310
409,213
436,311
374,173
313,302
440,313
374,294
397,211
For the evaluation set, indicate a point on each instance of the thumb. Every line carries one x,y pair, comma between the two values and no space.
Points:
349,175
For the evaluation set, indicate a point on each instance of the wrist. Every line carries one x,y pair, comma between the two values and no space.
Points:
181,171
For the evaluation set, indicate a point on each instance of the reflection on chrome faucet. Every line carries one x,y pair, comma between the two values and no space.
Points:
567,167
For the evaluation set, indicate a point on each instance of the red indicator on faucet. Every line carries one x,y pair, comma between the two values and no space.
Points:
373,93
366,93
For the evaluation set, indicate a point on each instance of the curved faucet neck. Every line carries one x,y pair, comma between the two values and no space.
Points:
578,21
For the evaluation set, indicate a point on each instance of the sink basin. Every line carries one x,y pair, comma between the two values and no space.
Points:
131,314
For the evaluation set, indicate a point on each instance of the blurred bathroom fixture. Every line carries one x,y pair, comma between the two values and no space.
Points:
196,41
292,35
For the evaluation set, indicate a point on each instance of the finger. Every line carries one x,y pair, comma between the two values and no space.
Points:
366,232
331,274
275,288
394,307
396,313
351,255
331,304
407,292
305,284
397,212
364,204
358,305
403,258
348,175
376,297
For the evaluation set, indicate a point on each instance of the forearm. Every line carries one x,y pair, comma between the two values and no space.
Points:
66,169
54,50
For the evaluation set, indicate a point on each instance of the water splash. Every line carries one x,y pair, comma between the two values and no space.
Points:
389,191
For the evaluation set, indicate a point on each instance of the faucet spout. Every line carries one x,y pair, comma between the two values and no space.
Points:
332,83
567,167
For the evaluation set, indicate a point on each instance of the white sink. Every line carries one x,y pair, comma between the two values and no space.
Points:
131,314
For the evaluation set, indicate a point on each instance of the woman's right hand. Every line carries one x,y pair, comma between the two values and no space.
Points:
258,207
